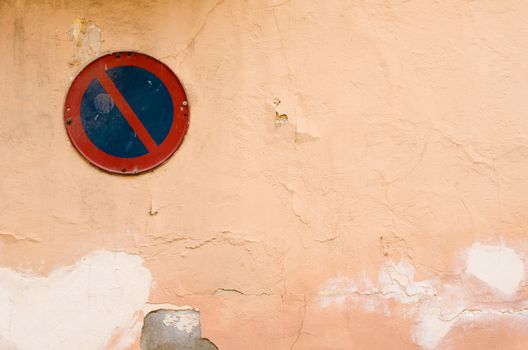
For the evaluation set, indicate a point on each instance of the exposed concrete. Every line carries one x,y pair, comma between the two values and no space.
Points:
173,330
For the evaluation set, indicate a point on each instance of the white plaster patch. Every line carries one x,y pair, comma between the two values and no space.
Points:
498,266
76,307
397,282
436,312
183,321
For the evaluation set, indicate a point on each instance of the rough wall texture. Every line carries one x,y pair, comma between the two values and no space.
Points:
354,177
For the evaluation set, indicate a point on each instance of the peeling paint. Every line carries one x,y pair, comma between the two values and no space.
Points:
86,37
280,118
305,129
437,306
395,281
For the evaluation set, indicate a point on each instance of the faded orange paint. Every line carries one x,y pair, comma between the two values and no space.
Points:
329,141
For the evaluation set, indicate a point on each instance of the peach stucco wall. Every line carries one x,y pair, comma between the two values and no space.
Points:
386,210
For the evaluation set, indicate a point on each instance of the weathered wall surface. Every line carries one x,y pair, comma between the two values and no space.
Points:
354,176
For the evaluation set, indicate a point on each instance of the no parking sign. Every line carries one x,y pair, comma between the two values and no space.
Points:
126,112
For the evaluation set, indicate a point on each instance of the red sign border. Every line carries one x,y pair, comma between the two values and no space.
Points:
103,160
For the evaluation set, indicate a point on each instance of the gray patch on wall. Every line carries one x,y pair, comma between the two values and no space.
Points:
174,330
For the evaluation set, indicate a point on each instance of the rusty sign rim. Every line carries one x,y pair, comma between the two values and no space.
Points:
110,163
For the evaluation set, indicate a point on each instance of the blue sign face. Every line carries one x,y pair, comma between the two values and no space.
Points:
104,123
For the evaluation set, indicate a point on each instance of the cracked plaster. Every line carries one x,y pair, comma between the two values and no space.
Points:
396,129
438,307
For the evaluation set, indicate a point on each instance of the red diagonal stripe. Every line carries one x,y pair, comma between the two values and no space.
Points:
128,113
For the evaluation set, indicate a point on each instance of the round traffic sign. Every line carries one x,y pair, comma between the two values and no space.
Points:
126,112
